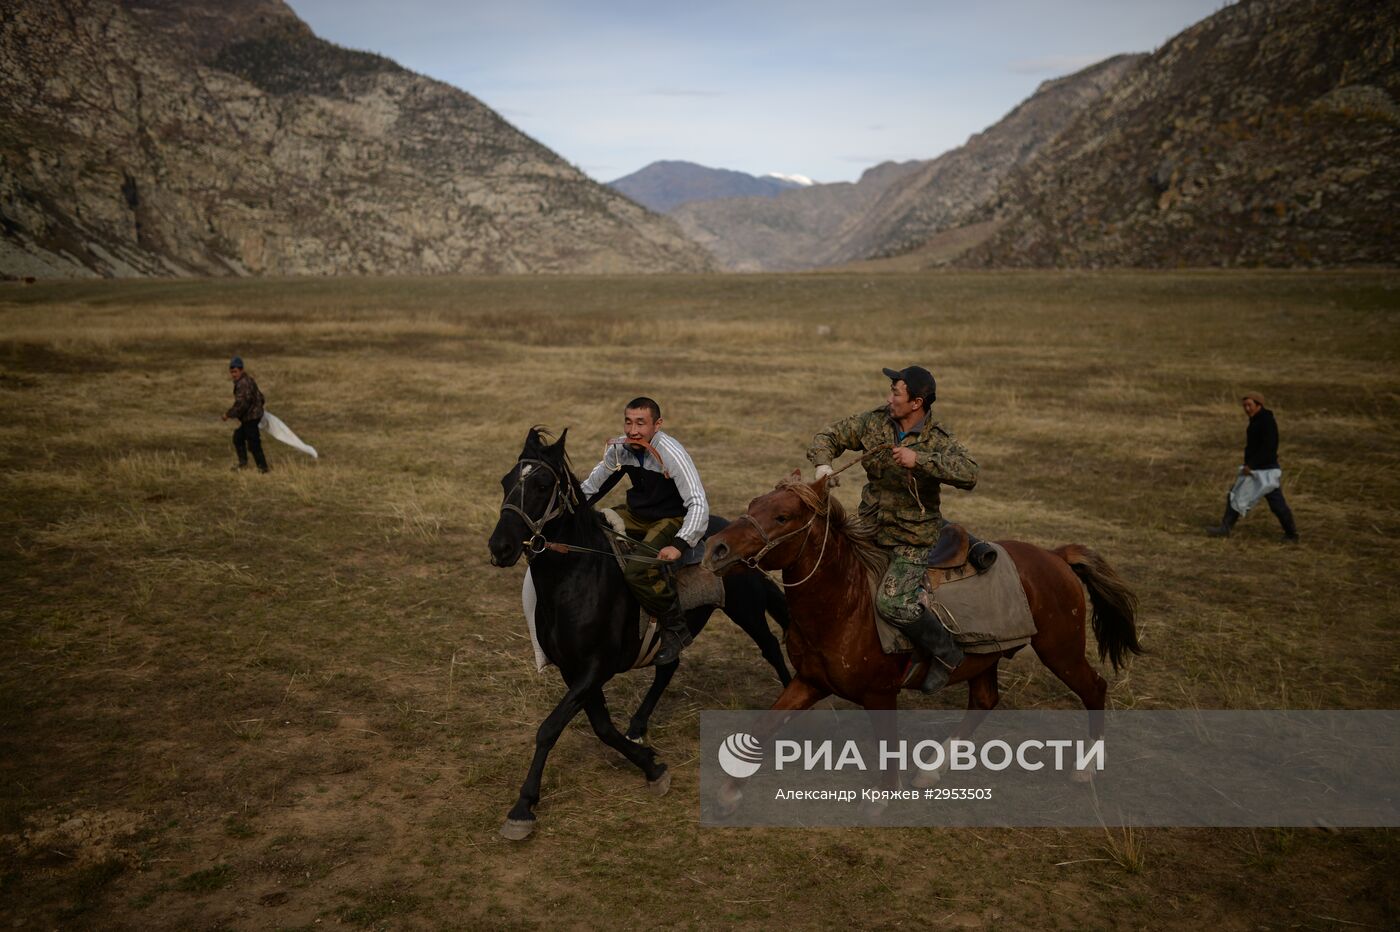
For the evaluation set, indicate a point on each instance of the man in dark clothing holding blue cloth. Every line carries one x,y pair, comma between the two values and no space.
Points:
247,410
1260,476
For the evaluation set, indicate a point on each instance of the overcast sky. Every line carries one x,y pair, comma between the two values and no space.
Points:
817,88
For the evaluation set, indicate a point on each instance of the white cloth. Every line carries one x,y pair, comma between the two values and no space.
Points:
273,426
527,599
683,473
1252,486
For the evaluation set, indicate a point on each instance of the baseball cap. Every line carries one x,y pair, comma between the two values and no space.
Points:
917,380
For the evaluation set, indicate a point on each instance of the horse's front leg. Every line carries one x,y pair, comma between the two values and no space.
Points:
637,728
982,697
880,708
520,821
595,705
796,696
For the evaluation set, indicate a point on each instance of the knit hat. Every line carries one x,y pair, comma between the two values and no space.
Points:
236,362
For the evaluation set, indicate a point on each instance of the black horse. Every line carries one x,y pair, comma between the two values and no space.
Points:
587,619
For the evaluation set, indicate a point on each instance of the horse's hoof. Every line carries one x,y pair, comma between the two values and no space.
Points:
727,801
661,785
639,739
517,829
924,779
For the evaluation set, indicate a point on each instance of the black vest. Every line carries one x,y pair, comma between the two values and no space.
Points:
652,495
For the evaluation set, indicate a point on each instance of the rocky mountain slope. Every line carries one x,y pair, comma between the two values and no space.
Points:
216,137
664,186
1267,134
946,190
795,230
894,207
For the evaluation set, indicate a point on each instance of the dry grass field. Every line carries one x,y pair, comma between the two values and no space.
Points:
306,699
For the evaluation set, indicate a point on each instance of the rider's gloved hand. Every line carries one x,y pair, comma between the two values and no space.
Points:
826,472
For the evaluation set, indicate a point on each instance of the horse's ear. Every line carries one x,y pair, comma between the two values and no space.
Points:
820,486
796,475
557,447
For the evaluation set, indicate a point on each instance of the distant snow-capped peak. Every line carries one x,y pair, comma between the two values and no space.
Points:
793,179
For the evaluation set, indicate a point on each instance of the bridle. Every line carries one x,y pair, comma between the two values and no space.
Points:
559,504
770,543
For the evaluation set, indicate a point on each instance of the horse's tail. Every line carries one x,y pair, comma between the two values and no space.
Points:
775,603
1115,605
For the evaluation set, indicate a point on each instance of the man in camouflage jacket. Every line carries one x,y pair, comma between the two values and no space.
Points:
247,410
902,497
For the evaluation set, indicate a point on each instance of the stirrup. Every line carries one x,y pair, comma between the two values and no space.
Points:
936,677
672,643
675,637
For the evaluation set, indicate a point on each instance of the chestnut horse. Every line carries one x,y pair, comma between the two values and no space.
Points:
830,565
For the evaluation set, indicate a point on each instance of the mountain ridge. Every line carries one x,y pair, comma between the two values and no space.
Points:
664,185
893,207
1268,134
164,137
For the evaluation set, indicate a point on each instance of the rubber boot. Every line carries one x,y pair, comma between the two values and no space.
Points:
944,654
1226,523
675,635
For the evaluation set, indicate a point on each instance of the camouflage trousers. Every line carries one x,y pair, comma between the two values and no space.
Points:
898,599
651,583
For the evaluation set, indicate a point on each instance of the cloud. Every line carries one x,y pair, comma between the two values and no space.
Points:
1055,64
680,92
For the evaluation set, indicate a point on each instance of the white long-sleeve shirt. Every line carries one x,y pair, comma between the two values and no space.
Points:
683,473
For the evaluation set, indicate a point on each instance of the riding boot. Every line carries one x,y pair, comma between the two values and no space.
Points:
675,634
944,654
1226,523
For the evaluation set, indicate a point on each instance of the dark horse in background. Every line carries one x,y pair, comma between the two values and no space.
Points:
830,566
586,617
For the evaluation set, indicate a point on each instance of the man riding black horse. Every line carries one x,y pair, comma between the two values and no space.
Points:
666,511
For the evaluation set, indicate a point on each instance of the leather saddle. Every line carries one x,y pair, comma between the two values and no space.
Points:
957,555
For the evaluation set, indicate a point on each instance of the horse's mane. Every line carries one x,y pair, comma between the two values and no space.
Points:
543,438
859,531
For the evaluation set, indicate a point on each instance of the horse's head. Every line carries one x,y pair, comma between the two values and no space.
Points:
773,531
538,488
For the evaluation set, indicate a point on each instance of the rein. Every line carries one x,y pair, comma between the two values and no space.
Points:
624,442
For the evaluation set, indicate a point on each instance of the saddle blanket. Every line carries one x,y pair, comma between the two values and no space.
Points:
986,613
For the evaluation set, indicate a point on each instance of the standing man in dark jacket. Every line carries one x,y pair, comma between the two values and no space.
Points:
1260,476
666,511
247,410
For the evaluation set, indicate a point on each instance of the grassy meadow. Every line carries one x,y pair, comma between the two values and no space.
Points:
306,699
